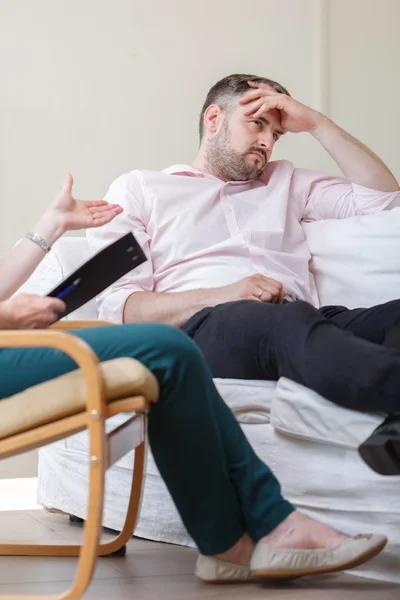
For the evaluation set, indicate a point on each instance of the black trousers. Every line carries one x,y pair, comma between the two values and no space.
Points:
351,357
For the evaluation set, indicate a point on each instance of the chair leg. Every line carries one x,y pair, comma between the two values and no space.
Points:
133,506
106,548
77,521
92,530
88,552
91,547
116,546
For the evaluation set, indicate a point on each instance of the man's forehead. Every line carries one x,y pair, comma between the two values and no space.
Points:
273,116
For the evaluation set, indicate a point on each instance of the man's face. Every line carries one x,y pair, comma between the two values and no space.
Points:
242,146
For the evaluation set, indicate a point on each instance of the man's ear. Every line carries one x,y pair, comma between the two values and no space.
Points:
213,117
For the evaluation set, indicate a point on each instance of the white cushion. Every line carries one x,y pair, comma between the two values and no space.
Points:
46,276
356,261
250,401
300,412
71,252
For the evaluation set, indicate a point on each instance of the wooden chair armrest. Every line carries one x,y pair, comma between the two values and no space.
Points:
77,324
80,352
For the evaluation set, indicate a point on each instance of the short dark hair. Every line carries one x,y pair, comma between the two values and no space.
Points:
230,87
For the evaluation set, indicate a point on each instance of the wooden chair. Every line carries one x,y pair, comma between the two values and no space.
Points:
82,399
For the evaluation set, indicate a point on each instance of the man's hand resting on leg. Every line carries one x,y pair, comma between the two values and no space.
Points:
177,308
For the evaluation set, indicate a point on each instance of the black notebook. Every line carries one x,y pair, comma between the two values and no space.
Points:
99,272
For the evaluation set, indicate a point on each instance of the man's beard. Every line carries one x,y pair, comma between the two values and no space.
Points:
222,160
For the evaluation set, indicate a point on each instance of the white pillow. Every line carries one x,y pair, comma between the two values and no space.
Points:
356,261
45,277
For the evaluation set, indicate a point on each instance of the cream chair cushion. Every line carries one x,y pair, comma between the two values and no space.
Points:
66,395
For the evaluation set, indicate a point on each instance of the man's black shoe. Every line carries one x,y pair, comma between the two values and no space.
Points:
381,451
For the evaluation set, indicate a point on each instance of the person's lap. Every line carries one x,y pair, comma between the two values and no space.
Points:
229,334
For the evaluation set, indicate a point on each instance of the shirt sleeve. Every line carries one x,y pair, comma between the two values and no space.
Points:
326,197
127,192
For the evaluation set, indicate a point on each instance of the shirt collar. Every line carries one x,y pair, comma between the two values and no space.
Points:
186,170
192,172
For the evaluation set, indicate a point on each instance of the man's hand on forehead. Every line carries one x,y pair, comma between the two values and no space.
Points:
295,117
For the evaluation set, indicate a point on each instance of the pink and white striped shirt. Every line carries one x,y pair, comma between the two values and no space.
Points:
200,232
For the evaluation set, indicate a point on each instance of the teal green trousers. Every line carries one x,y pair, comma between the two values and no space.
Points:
220,487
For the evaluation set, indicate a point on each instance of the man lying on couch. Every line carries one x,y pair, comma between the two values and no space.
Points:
229,261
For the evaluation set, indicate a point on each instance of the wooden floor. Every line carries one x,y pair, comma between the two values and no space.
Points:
150,571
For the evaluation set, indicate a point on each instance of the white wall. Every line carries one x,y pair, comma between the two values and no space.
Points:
99,87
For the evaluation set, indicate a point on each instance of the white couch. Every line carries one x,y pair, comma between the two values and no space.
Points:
309,443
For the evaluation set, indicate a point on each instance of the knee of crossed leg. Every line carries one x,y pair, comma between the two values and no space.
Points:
298,321
300,312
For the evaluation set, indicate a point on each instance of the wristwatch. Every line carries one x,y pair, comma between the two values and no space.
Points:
39,240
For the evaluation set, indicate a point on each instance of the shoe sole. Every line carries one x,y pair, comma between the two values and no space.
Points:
227,581
295,574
